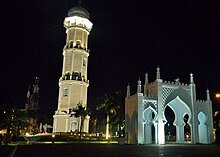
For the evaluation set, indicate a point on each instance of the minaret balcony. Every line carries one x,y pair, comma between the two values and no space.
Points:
81,26
76,47
76,21
75,77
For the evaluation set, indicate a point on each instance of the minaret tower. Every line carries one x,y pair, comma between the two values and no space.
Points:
73,83
33,95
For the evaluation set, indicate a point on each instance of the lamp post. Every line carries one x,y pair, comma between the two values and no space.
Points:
53,136
217,95
217,109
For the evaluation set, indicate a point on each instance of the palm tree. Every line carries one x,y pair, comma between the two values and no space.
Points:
82,112
94,121
118,124
110,103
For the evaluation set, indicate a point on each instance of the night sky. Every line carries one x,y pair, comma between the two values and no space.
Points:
128,39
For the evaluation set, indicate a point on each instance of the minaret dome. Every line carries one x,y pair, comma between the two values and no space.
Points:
79,11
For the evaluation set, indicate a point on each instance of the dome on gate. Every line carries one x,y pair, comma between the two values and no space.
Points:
79,11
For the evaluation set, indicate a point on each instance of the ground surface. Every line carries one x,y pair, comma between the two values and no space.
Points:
112,150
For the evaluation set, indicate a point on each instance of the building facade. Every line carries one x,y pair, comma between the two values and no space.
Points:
146,120
73,84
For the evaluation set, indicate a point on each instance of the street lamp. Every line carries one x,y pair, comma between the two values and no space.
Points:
53,136
217,111
217,98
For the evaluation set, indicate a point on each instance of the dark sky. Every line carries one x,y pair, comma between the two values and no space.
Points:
128,38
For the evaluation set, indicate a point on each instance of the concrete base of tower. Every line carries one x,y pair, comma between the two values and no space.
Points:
67,123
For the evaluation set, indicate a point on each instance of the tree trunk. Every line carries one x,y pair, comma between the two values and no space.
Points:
8,136
107,127
81,125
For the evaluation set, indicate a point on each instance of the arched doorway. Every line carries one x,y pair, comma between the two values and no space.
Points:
71,44
149,116
170,129
187,129
180,109
74,126
202,128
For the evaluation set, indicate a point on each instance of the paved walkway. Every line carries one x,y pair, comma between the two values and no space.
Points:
114,150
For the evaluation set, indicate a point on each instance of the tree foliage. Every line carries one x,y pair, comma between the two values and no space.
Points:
80,112
14,120
110,104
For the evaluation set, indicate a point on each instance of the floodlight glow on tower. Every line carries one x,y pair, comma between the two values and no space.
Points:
73,83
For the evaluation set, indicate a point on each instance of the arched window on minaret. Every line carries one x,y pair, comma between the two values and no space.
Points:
78,43
71,44
65,92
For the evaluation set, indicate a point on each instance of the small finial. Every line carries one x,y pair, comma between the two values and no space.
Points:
80,3
158,72
146,78
207,94
139,81
146,85
139,86
37,80
177,80
191,79
128,91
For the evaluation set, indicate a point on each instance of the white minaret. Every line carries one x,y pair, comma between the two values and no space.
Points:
73,83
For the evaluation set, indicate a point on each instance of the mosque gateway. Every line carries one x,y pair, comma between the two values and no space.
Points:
146,120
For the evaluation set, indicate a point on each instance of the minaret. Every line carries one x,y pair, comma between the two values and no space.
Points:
35,95
146,85
32,103
28,98
73,83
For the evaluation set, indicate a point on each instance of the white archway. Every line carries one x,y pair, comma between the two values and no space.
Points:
170,129
202,128
149,116
74,126
180,109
